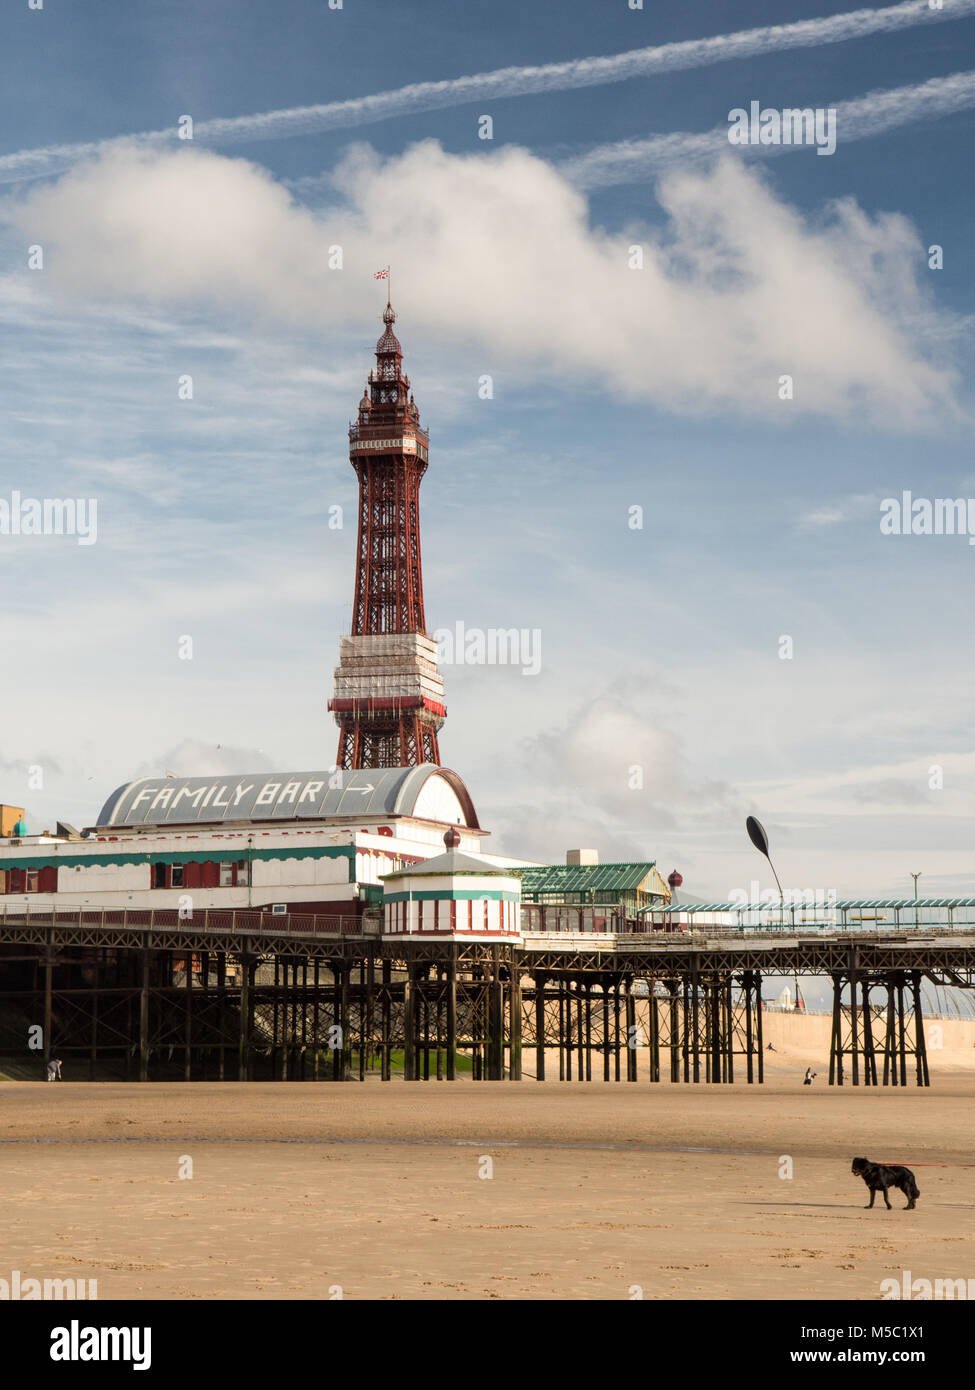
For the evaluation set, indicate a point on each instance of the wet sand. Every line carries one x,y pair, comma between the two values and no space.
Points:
302,1190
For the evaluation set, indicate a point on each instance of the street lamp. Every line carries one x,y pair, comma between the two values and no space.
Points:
915,878
758,837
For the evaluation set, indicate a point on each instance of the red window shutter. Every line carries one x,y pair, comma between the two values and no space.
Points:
47,881
210,875
192,875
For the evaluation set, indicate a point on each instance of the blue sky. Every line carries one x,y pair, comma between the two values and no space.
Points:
613,388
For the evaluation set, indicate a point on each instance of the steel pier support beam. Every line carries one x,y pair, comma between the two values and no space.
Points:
560,984
759,1026
386,1025
93,1058
869,1057
452,1018
514,998
244,1021
653,1032
344,1055
222,1013
920,1042
836,1034
890,1036
696,1022
901,1030
717,1031
587,1009
188,1023
409,1026
854,1020
616,1028
539,979
48,996
630,1002
495,1038
144,1019
577,994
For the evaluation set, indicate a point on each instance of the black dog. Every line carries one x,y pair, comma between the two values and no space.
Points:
879,1177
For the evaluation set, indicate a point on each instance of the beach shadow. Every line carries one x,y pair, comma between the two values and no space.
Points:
839,1206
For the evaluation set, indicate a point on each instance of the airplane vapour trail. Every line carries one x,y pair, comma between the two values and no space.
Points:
627,161
508,82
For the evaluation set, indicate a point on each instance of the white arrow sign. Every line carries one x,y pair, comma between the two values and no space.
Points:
367,788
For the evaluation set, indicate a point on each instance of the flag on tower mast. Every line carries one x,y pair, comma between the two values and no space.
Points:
382,274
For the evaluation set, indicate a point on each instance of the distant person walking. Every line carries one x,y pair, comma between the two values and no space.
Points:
54,1070
810,1077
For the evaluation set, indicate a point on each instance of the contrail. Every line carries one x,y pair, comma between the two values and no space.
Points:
630,160
508,82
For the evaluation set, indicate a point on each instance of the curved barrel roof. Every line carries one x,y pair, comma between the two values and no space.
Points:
276,796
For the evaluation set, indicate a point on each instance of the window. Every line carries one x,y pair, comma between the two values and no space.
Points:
233,874
167,875
29,880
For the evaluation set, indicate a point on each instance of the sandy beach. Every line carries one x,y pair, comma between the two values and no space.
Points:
382,1191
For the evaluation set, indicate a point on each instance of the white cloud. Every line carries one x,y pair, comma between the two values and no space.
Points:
857,506
496,254
613,757
193,758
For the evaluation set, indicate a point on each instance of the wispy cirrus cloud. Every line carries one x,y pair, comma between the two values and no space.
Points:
626,161
532,80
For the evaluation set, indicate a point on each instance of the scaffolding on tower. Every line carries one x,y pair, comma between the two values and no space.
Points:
388,693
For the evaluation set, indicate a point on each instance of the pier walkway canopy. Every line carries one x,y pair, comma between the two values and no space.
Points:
425,792
820,912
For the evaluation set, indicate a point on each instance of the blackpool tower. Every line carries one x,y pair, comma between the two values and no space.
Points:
388,697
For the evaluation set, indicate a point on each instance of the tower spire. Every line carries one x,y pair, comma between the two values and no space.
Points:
388,700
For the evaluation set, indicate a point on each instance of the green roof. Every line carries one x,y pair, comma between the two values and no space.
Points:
583,878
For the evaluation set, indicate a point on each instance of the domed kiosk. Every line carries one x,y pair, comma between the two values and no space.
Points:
454,896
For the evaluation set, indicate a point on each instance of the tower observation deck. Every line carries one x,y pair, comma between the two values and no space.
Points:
388,694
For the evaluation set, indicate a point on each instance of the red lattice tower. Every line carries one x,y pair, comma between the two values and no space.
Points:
388,700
